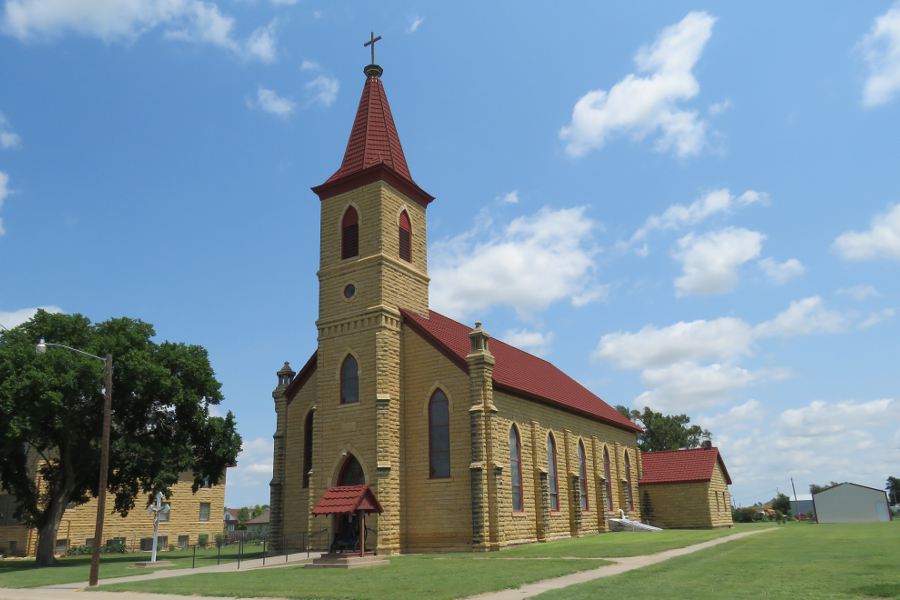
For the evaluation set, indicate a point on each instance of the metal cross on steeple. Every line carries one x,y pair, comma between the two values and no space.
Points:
371,42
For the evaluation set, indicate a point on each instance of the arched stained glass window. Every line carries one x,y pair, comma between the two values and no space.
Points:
439,435
307,448
405,237
629,498
553,480
349,380
515,469
607,473
350,233
582,476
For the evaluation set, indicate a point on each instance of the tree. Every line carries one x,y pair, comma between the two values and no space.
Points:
782,504
892,487
815,488
665,432
51,410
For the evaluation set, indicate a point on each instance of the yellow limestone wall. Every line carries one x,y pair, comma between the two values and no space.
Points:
690,505
77,524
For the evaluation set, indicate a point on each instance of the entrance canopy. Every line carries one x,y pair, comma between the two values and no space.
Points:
344,499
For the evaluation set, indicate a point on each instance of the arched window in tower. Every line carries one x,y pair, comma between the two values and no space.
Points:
553,480
607,473
629,498
349,380
307,448
350,233
582,476
439,435
405,237
515,469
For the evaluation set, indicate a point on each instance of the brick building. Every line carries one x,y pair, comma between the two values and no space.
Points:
686,489
191,515
468,443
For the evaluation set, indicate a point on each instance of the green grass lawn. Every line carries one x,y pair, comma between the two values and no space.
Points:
24,573
624,543
414,577
799,562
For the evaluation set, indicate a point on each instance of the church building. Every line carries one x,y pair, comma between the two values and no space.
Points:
467,443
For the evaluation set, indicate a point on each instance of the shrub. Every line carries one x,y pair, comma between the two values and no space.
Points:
79,550
203,540
743,515
113,547
220,540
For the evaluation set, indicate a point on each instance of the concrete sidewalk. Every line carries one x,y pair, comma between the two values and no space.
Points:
69,590
620,565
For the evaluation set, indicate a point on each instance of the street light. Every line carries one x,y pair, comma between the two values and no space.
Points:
41,348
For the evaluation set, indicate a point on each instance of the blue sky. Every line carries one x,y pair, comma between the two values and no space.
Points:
688,206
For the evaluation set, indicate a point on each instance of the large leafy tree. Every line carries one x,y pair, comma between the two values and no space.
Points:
665,432
892,486
51,410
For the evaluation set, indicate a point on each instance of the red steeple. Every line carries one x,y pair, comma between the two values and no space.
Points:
373,151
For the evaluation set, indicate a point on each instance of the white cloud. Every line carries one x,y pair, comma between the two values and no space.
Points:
126,20
4,192
248,482
710,262
528,265
679,216
803,317
781,272
309,65
8,138
822,418
859,292
10,319
717,108
322,90
881,240
877,317
414,24
269,101
652,348
284,2
536,342
695,365
510,197
881,47
649,104
751,410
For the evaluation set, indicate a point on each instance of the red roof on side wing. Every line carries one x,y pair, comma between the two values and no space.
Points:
517,371
681,466
347,499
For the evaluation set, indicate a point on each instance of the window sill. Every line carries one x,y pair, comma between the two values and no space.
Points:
440,479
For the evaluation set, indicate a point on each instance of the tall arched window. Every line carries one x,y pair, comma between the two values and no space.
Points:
551,473
582,476
629,499
439,435
350,233
405,237
307,448
607,473
349,380
515,469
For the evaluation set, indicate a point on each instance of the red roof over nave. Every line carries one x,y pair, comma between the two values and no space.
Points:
681,466
517,371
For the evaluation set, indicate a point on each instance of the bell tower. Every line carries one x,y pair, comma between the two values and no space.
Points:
372,263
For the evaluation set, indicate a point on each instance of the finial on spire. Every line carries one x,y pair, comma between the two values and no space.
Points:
372,70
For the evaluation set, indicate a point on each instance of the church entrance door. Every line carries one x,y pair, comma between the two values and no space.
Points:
346,526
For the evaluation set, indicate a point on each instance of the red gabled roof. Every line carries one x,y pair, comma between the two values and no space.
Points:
373,150
517,371
681,466
347,499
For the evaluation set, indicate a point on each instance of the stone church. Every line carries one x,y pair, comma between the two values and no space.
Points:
467,442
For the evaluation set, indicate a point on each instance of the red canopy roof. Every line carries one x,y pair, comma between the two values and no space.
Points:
347,499
516,370
681,466
373,150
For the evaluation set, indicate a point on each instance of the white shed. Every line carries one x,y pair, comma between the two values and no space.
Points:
851,503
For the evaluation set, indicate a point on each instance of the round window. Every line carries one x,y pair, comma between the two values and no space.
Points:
349,291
